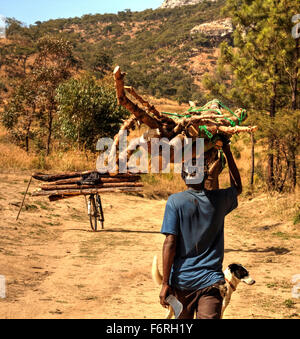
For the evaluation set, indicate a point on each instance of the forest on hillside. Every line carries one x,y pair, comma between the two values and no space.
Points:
152,45
56,79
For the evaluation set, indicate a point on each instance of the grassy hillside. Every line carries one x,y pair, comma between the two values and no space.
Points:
155,47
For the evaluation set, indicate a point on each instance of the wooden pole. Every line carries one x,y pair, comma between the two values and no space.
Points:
86,191
140,114
24,198
82,187
103,181
72,175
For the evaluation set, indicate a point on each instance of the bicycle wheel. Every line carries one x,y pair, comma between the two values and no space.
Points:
92,211
100,210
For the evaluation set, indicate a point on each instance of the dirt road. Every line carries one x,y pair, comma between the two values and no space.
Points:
56,267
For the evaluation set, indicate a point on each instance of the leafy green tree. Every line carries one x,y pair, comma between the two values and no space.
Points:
88,110
20,113
53,65
95,59
259,73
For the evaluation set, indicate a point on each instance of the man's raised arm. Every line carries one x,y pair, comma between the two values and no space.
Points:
234,173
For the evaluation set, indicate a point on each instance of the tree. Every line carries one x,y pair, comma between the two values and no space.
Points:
260,72
21,112
14,55
88,110
95,59
53,65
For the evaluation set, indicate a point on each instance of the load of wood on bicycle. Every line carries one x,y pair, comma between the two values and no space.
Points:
68,185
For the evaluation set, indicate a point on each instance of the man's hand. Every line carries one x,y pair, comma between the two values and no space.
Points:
165,292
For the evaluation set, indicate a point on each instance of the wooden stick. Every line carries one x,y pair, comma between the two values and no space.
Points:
24,198
58,197
55,177
75,192
75,181
82,187
237,129
150,108
127,125
71,175
140,114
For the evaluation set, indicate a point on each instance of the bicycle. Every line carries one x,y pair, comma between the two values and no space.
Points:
95,211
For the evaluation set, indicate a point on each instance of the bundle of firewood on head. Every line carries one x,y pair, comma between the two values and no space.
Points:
68,185
214,122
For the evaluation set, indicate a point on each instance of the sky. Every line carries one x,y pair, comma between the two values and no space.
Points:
30,11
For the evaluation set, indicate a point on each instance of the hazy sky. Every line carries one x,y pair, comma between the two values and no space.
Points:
30,11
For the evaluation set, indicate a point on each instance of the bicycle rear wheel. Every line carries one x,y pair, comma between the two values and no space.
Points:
93,212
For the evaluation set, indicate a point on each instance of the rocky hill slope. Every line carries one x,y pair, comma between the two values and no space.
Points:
179,3
165,52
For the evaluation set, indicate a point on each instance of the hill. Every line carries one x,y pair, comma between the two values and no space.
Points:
179,3
161,50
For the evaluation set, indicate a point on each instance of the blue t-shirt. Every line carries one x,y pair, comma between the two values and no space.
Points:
197,218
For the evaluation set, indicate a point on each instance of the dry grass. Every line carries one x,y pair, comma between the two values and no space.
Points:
72,160
166,105
161,186
14,158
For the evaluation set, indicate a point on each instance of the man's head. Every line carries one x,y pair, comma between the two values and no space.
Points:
194,176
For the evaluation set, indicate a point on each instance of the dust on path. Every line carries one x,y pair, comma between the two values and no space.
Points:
56,267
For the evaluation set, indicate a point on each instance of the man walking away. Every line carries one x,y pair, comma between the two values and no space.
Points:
193,250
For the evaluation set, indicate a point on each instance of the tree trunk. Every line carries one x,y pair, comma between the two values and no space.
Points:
50,122
28,132
278,165
252,159
293,170
294,108
271,180
295,79
27,143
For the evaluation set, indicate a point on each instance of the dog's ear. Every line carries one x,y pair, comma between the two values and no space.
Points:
238,270
233,267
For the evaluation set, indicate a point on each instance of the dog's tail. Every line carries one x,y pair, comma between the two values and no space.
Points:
156,276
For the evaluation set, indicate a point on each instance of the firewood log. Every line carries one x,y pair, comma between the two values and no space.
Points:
71,175
76,192
104,185
75,181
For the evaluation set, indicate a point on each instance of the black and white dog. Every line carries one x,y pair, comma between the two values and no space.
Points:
234,274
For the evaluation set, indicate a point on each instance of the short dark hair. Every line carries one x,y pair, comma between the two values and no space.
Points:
186,174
